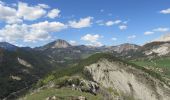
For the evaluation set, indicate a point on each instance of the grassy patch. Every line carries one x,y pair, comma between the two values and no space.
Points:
162,63
61,93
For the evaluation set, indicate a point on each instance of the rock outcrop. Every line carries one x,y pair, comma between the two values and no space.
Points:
126,81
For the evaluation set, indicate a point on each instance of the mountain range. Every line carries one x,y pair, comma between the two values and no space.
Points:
22,67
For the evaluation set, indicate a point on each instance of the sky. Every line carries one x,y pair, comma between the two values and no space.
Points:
90,22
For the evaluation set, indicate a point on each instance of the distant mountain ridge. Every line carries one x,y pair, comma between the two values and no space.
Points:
7,46
60,49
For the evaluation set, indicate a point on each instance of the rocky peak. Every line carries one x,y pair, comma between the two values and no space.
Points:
60,44
56,44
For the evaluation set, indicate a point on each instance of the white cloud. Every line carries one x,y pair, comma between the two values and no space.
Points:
110,23
49,26
40,31
1,39
131,37
8,14
117,21
30,33
148,33
161,29
83,22
54,13
72,42
13,15
43,6
166,11
114,39
123,27
93,39
13,32
22,11
7,11
95,44
39,36
30,12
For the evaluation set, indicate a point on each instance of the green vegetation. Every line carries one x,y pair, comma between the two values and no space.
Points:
63,94
160,65
10,66
61,77
79,68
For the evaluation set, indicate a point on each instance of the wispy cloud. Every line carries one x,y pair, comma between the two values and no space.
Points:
148,33
131,37
165,11
123,27
83,22
110,23
159,29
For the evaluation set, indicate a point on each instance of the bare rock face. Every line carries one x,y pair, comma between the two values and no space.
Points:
125,47
61,44
162,49
24,63
126,81
55,45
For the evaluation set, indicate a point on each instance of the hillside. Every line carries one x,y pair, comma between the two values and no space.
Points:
106,78
21,68
159,65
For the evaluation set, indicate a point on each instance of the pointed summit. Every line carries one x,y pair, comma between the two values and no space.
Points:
60,44
56,44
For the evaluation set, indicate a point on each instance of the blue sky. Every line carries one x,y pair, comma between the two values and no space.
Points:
91,22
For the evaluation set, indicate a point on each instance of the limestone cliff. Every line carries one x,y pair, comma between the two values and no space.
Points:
126,81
